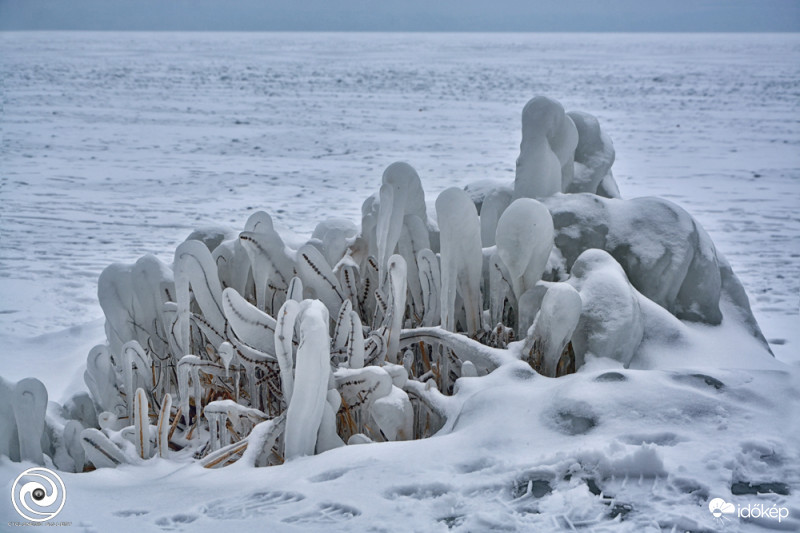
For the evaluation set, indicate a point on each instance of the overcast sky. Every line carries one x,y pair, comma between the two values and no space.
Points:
403,15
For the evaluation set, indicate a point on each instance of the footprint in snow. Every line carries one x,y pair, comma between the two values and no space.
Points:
175,522
418,492
255,504
325,513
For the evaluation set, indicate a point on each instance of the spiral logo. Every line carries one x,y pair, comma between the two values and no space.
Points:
38,494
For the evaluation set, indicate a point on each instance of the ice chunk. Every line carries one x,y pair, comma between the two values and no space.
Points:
141,424
334,235
397,304
196,279
327,437
594,154
430,285
162,429
261,440
401,194
554,325
272,266
665,253
394,415
545,162
611,323
100,451
462,258
304,415
492,207
413,239
30,404
524,240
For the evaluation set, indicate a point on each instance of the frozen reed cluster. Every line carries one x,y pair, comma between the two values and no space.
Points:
245,351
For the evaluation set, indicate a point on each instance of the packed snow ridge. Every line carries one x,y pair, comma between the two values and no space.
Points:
245,351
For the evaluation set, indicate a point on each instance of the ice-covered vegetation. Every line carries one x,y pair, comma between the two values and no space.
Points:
247,351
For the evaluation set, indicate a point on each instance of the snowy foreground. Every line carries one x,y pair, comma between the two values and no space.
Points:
128,142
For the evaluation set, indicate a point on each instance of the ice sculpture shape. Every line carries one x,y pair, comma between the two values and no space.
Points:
248,352
611,323
312,372
547,150
462,258
524,240
594,155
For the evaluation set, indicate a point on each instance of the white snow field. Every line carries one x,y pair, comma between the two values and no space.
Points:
116,145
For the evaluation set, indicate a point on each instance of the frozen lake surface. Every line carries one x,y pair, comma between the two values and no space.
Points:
119,144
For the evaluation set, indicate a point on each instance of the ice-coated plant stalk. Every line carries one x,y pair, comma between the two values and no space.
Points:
397,304
462,258
524,241
30,404
142,424
163,426
553,328
312,372
284,334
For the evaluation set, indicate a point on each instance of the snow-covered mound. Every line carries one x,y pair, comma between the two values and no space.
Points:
549,315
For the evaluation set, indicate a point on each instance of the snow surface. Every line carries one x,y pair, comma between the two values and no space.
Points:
117,145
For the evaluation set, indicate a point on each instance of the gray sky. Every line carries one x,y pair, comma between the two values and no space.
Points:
403,15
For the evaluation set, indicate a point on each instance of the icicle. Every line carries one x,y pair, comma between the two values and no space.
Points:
226,355
163,426
142,424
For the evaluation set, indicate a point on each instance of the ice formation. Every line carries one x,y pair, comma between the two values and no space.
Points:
246,351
